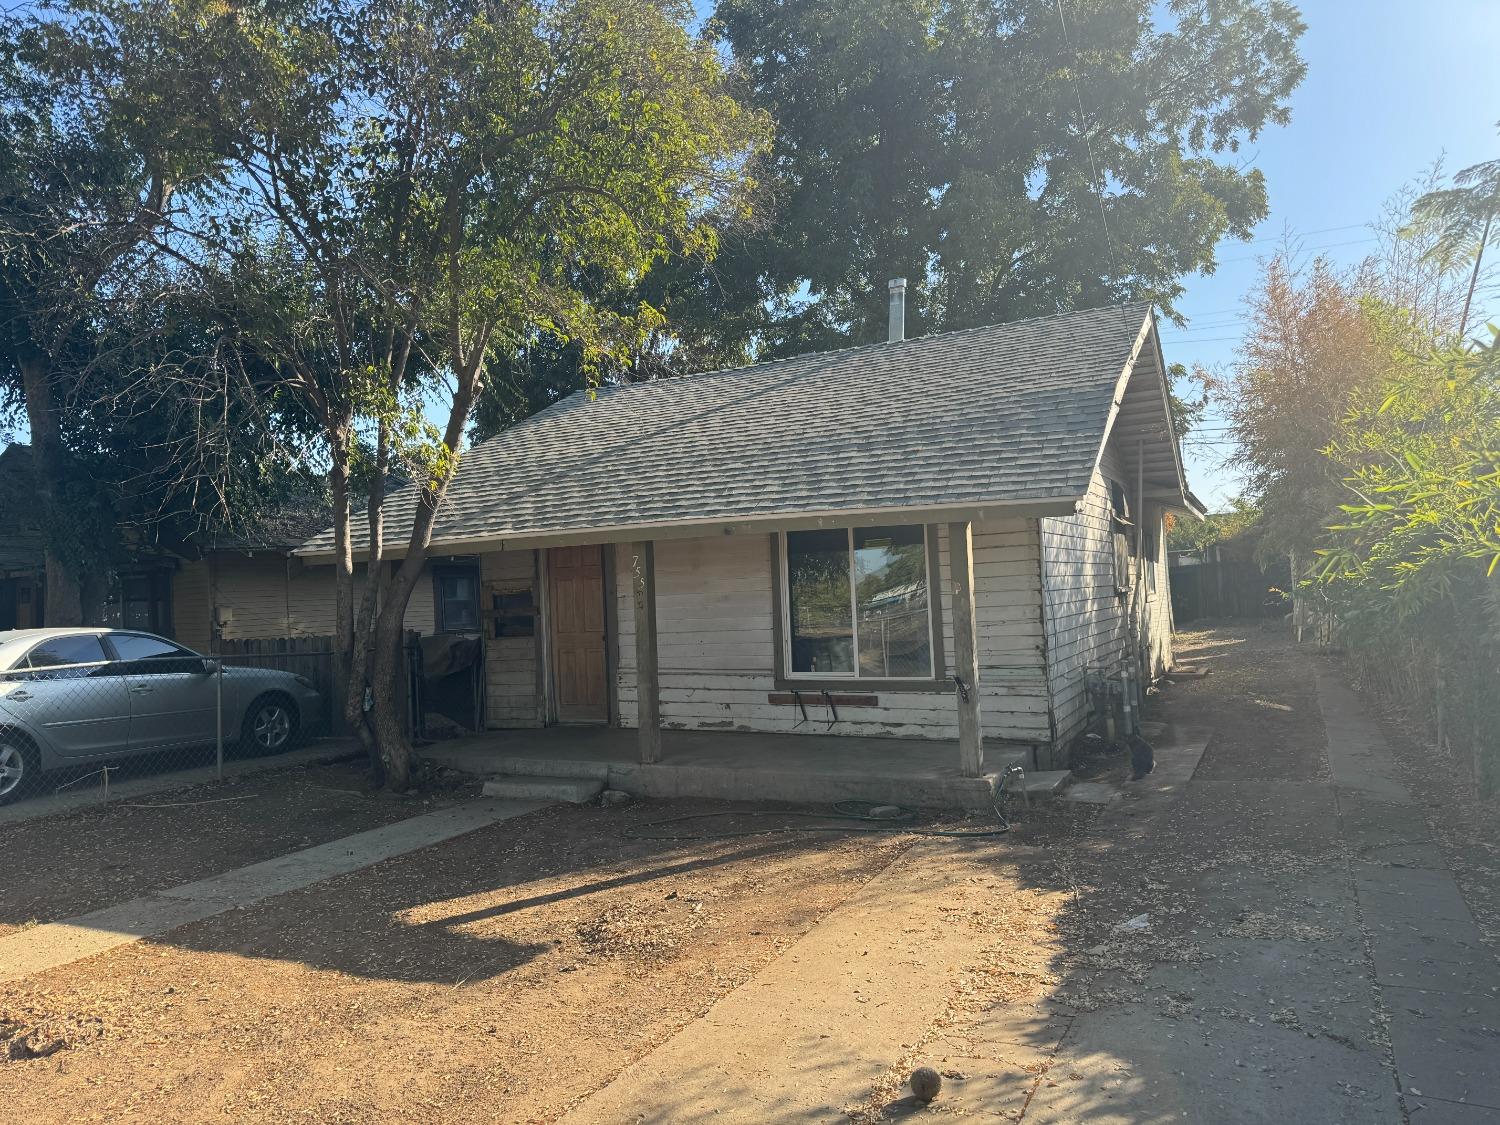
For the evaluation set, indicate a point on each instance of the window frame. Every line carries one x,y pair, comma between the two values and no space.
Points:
439,614
181,661
787,679
156,585
24,669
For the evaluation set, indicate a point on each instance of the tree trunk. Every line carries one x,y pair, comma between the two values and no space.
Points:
385,715
64,604
350,658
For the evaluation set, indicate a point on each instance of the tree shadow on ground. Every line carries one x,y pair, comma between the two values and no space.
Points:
473,907
1243,996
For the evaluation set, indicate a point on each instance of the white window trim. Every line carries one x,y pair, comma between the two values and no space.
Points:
854,675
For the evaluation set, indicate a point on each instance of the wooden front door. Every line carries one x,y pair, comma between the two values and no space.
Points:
575,576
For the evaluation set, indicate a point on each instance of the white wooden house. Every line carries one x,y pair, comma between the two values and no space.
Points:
950,537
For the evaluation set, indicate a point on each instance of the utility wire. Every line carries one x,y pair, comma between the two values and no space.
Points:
1088,143
1306,233
1304,250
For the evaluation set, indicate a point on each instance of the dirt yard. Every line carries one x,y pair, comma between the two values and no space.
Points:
509,973
500,976
60,866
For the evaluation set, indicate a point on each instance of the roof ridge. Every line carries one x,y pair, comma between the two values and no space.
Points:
934,336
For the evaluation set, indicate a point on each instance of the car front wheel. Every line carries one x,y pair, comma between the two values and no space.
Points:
18,766
270,725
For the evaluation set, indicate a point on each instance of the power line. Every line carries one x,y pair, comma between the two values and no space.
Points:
1307,233
1203,328
1304,250
1088,143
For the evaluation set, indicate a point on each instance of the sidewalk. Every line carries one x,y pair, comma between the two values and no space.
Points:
1440,982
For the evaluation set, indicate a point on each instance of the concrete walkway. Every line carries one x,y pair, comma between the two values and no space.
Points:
1341,977
46,947
1439,981
818,1028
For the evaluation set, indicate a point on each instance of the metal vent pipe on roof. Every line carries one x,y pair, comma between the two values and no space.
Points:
896,331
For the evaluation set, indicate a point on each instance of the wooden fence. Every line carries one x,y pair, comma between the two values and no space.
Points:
1231,588
310,657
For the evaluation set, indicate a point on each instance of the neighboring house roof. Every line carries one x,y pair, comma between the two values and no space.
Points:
287,526
986,417
22,542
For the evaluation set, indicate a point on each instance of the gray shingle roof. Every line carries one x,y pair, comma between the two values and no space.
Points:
984,416
286,526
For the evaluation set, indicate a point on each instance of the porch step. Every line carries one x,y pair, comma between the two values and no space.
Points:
1046,783
573,790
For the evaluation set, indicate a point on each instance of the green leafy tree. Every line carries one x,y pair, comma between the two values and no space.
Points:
1012,157
425,190
707,322
73,197
1420,454
102,144
1217,527
1412,567
1465,215
106,132
1309,345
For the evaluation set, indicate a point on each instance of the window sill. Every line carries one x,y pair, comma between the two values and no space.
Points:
836,684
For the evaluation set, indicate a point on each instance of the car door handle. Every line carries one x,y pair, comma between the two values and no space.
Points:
140,690
20,695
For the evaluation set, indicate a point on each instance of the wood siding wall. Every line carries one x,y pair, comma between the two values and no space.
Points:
269,596
1085,627
192,606
514,696
717,635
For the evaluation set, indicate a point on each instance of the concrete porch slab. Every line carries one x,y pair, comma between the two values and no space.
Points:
738,766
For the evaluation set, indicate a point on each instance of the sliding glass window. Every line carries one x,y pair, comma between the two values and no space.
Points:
858,603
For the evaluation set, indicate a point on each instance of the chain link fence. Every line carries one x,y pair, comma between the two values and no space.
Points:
80,711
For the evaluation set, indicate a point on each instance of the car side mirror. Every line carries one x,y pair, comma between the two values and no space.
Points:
210,666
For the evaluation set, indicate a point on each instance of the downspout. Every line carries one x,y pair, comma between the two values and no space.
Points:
1133,671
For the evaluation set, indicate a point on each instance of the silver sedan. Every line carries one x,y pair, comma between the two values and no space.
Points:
72,696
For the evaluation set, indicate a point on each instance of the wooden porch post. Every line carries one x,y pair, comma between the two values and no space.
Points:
648,705
965,650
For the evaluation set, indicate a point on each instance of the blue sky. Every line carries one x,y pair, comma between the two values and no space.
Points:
1391,86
